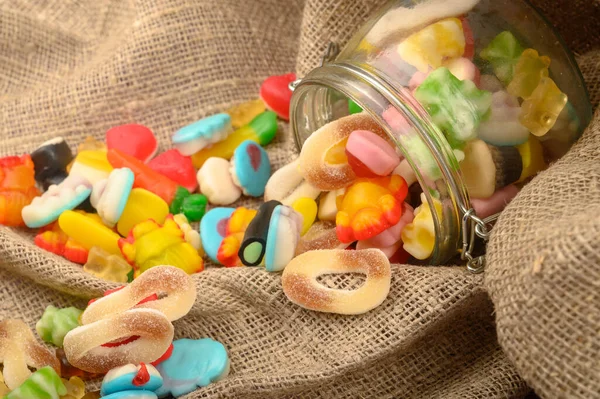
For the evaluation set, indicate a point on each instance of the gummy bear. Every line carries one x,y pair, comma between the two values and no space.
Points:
75,388
243,114
56,323
419,236
503,53
53,239
540,111
17,188
530,69
236,227
370,206
431,45
149,244
107,266
456,106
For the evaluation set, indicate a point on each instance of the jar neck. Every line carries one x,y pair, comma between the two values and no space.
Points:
321,97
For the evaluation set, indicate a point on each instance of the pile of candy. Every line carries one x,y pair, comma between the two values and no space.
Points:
126,335
347,204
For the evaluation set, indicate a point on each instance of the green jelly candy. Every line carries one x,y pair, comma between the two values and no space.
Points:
353,107
456,107
180,195
265,127
56,323
194,207
43,384
503,53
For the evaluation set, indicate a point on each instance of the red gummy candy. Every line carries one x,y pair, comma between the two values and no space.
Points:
52,239
359,168
135,140
142,377
176,167
400,257
276,94
164,357
469,39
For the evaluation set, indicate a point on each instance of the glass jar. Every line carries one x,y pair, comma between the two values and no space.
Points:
411,67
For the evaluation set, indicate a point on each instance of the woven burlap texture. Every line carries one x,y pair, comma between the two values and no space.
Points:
76,68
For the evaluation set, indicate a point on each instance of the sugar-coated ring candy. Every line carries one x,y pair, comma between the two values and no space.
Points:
43,384
84,345
192,138
176,284
216,182
282,238
131,395
369,155
253,247
300,285
194,363
321,235
51,159
19,350
213,228
110,196
66,196
287,184
276,94
132,139
92,165
131,377
307,207
250,168
89,231
141,205
176,167
323,161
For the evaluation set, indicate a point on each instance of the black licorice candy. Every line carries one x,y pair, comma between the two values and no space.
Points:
253,246
50,161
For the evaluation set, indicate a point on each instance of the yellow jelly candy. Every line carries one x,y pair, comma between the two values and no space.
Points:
532,155
93,165
75,388
141,205
89,231
91,144
430,46
243,114
419,236
307,207
107,266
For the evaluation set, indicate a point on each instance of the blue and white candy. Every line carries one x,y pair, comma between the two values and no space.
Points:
109,196
213,229
49,206
282,239
131,381
250,168
192,138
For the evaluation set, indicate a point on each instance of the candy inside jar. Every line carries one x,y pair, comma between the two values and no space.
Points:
464,101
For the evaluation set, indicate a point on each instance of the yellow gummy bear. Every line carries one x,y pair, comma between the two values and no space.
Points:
530,69
243,114
141,205
75,388
540,111
419,236
430,46
149,244
107,266
307,207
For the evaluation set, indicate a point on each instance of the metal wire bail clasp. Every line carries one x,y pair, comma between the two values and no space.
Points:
332,51
473,226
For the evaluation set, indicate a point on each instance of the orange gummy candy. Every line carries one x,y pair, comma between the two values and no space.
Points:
369,207
53,239
17,188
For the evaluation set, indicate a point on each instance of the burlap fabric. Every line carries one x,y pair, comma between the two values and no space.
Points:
76,68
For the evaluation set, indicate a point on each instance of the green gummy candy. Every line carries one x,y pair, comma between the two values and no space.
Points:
180,195
421,156
456,107
265,127
503,53
353,107
43,384
252,252
194,207
56,323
